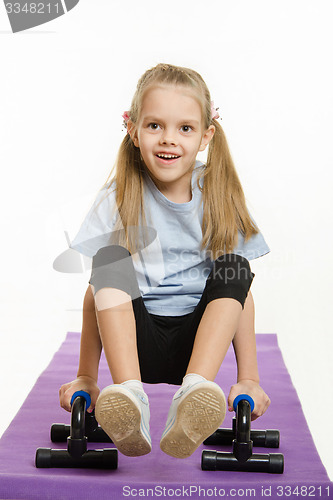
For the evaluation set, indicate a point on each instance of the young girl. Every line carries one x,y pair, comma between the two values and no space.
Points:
170,239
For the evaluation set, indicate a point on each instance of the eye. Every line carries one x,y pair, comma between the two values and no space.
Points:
186,128
153,126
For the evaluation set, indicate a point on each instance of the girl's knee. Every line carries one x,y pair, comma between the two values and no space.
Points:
232,269
112,267
110,255
231,276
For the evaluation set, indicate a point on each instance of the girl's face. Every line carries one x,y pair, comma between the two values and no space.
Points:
169,134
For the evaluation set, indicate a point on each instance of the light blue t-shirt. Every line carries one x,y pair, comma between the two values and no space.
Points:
171,270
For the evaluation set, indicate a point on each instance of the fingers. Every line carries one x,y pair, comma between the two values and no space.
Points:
232,395
65,395
94,395
254,390
66,392
260,408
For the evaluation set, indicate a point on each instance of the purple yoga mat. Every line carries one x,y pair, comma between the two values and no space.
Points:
157,475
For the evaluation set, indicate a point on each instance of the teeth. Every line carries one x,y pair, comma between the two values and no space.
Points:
168,157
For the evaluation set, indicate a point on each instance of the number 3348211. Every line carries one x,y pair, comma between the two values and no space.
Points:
32,8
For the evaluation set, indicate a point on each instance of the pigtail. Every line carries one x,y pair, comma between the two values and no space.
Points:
224,206
128,184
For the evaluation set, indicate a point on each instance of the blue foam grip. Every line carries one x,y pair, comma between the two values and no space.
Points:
240,398
84,394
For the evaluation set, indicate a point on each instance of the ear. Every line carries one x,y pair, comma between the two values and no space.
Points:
207,137
132,130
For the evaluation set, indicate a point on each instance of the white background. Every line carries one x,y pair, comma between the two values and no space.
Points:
63,89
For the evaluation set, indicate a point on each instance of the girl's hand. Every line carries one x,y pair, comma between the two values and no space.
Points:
83,383
253,389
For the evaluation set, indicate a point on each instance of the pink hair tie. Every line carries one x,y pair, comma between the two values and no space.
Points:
215,114
125,117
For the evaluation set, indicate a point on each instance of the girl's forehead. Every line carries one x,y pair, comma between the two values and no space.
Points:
164,95
166,89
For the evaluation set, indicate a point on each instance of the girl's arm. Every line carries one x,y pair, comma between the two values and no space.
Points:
244,343
90,352
91,345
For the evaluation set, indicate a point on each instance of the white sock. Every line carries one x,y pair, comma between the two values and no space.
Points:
192,378
134,384
189,379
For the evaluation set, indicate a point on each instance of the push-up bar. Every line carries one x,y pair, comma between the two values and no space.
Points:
83,428
243,439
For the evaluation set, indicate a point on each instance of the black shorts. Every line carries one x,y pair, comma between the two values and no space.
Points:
165,343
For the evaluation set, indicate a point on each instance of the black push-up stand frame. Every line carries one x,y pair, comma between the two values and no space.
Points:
243,439
83,427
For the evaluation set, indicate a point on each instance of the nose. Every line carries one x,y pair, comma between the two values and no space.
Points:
169,137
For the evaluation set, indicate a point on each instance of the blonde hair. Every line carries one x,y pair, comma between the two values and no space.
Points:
224,207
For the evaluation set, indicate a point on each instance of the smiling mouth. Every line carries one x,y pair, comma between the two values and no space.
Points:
165,156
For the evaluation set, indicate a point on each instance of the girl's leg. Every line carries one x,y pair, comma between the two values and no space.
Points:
113,284
199,407
122,409
216,330
221,309
117,329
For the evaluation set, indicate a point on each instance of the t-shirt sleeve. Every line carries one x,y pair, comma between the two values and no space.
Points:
98,225
253,248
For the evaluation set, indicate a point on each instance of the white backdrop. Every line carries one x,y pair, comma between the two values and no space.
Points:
63,89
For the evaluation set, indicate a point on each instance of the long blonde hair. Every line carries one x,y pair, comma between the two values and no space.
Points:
224,207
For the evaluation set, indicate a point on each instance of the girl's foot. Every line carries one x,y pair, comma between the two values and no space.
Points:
197,410
123,413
